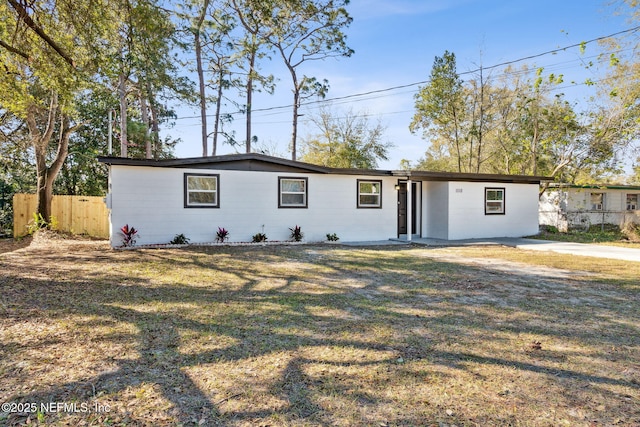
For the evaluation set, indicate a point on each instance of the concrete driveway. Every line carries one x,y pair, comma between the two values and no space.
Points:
599,251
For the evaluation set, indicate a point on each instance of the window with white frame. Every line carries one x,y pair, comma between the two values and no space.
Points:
369,194
597,201
292,192
201,190
632,202
494,201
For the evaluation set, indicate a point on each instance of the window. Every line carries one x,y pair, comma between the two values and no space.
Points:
494,201
632,202
292,192
201,190
597,201
369,194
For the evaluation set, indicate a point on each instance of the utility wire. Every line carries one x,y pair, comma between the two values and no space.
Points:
408,85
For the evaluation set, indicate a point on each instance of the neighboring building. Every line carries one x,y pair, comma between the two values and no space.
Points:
568,206
253,193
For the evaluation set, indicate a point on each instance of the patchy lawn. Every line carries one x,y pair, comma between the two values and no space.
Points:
317,336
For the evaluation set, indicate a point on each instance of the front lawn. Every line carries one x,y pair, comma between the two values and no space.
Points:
316,336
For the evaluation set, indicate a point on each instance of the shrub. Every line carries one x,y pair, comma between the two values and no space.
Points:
332,237
296,233
222,235
128,235
180,239
259,237
39,223
551,229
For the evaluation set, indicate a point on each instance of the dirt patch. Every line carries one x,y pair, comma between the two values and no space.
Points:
312,335
508,267
53,242
10,245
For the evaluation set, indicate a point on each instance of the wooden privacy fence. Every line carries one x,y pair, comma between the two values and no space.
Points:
73,214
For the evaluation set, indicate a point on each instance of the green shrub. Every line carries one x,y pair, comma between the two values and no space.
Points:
180,239
332,237
259,237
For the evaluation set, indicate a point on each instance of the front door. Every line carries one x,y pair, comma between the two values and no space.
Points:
402,208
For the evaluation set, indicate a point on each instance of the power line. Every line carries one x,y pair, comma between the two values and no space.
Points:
408,85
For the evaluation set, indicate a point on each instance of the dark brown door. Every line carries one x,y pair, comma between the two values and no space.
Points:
402,209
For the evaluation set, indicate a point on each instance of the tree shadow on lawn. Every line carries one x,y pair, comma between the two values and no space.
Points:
370,313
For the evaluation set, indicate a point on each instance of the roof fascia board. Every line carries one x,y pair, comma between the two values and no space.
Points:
241,161
469,177
595,186
261,162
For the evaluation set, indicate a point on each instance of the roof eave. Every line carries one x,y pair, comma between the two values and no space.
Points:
227,158
472,177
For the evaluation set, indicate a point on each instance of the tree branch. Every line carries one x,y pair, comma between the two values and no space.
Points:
14,50
51,118
24,16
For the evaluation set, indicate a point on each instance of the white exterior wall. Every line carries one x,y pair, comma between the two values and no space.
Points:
455,211
467,219
151,199
436,210
552,209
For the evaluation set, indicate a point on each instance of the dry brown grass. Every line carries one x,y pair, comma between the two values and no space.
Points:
318,336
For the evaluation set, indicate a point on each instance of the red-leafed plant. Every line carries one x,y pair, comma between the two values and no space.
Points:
222,235
128,235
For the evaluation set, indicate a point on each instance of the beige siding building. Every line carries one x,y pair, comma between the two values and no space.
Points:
581,206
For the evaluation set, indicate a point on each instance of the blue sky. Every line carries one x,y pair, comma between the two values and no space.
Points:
395,43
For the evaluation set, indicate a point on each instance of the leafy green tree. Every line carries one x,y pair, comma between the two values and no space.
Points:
141,68
17,174
634,179
350,141
516,124
81,174
308,30
47,51
440,108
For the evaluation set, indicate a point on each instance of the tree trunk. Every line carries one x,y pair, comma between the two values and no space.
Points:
457,139
203,100
481,123
296,106
534,145
155,125
252,63
218,107
40,141
122,93
145,119
44,191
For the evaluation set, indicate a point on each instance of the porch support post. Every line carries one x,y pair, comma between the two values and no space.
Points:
409,208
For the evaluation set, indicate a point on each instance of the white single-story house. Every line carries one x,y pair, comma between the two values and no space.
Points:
567,206
248,194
